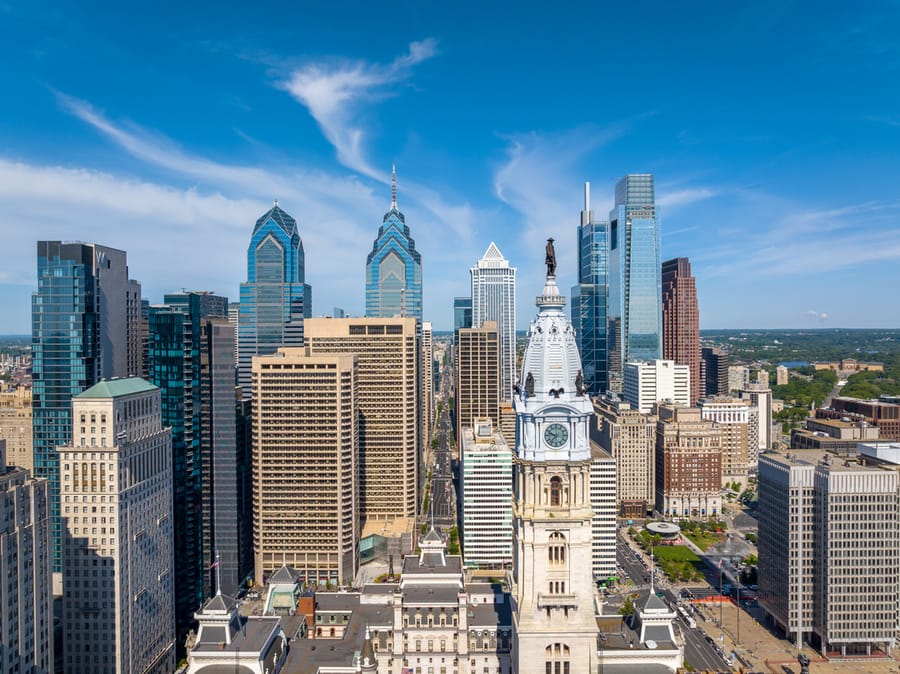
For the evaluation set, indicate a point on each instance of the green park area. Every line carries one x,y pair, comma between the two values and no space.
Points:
678,562
703,534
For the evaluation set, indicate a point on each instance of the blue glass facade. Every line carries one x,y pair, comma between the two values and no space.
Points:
394,269
276,298
635,296
589,299
79,333
462,315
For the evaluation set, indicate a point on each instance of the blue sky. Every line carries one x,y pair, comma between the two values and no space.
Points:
773,130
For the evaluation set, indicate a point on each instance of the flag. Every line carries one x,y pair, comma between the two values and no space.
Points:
720,563
216,563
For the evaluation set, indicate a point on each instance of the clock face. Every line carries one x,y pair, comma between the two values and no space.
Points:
556,435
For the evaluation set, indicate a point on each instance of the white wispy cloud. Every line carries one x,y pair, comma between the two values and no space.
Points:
676,198
334,94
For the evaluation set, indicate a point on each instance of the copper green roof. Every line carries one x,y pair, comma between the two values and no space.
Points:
115,388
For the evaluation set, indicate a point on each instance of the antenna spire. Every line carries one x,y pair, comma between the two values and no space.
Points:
393,187
651,570
218,578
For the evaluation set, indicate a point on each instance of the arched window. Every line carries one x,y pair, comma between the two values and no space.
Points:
556,659
556,550
555,491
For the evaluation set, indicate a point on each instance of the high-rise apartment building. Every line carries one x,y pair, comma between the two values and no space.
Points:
781,376
829,550
760,397
118,561
738,377
681,319
714,372
477,376
603,505
389,443
82,330
462,314
394,268
191,360
234,316
427,383
688,463
635,300
486,479
651,382
276,298
554,626
629,436
494,299
732,416
26,593
16,427
589,297
306,417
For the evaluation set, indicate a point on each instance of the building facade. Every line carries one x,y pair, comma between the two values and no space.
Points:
629,436
16,427
828,535
635,299
477,376
26,593
603,504
553,619
681,319
649,382
714,372
732,416
394,268
276,298
81,331
494,299
306,465
388,401
589,297
118,561
760,397
486,479
688,463
191,360
462,314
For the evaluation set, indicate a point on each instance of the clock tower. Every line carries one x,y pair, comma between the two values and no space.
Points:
553,593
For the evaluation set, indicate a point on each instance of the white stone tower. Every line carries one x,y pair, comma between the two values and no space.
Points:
553,612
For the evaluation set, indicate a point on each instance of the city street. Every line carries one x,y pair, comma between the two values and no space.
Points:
443,494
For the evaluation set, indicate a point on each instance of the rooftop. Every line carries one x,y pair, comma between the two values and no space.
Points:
116,388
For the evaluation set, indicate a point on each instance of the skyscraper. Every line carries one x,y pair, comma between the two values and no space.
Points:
191,359
394,268
26,593
681,319
714,371
276,298
648,383
589,297
306,465
462,314
555,629
494,299
478,377
116,482
635,301
82,329
388,401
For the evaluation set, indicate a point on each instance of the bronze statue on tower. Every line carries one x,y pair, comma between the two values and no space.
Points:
550,258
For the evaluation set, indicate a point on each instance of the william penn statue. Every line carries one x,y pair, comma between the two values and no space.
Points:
550,258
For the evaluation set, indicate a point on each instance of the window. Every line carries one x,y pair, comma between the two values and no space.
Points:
555,491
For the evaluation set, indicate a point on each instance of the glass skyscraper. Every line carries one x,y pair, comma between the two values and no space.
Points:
191,359
589,297
276,298
85,325
635,297
394,268
462,315
494,299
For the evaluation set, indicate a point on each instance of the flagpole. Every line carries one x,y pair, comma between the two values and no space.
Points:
218,579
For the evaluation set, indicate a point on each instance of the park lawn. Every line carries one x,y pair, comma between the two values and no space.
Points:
675,553
704,539
678,562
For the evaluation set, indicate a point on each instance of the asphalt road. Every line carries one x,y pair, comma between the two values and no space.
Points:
443,494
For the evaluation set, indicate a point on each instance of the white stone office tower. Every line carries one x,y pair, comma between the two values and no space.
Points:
305,465
603,503
487,474
829,552
26,597
494,299
116,502
553,590
656,381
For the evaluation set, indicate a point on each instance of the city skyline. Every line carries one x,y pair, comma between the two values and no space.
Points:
779,192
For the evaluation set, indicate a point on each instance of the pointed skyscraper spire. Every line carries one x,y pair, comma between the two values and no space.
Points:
393,187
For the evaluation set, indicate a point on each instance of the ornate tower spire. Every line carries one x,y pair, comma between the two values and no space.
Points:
393,187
